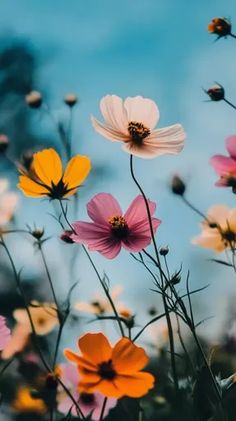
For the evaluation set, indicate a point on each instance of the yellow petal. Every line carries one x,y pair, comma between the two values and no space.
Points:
48,166
76,171
31,188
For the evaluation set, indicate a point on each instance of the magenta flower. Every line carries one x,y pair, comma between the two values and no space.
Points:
5,333
88,403
111,230
225,166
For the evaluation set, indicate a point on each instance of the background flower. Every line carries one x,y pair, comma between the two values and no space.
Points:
44,317
8,203
225,166
5,333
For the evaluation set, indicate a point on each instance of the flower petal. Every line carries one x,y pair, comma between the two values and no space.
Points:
168,140
102,206
210,240
17,343
142,110
223,165
95,347
108,132
137,211
127,357
31,188
114,113
136,385
88,232
76,171
5,334
231,146
48,166
106,387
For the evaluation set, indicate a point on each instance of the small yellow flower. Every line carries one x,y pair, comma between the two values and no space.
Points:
25,403
44,317
47,178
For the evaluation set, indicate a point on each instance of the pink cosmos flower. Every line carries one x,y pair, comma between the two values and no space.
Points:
5,334
88,403
111,230
225,166
132,121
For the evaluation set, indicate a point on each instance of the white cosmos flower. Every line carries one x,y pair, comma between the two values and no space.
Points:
8,203
132,121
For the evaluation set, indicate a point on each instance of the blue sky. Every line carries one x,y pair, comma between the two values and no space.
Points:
155,48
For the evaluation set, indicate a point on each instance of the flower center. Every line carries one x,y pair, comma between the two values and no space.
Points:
229,236
106,370
87,398
138,132
231,182
119,226
99,308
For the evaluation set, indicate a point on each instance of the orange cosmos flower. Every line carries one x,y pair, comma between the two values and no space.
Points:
114,372
47,178
25,403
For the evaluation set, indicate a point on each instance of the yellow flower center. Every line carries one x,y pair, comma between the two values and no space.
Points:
119,226
138,132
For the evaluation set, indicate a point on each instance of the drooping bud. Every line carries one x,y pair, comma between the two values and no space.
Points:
164,251
4,142
66,237
34,99
177,185
70,100
220,27
216,93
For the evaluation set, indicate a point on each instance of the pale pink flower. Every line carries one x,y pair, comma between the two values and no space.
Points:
5,334
132,121
111,230
88,403
18,341
225,166
8,203
220,232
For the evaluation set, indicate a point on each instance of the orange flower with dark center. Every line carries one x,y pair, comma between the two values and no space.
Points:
112,371
47,178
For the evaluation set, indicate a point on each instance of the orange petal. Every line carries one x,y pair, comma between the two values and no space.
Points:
48,166
127,357
31,188
136,385
76,171
106,387
95,347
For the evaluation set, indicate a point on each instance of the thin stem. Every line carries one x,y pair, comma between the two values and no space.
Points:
148,324
232,35
229,103
186,201
103,409
158,263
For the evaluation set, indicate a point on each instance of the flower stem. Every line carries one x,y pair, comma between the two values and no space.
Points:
229,103
103,409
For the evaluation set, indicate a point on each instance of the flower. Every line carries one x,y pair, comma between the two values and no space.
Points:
44,317
34,99
114,372
225,166
8,203
5,334
100,304
88,402
219,231
220,27
110,231
70,100
18,341
132,121
24,402
46,177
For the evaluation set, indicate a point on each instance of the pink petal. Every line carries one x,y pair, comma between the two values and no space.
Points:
5,334
108,132
137,211
142,110
231,146
99,399
114,113
102,207
222,182
108,248
69,375
140,236
223,165
88,232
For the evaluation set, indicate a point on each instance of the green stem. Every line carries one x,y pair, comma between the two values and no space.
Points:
103,409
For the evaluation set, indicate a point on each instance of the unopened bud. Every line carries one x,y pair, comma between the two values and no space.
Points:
220,27
177,185
27,159
51,381
66,237
4,142
70,100
152,311
164,251
34,99
216,93
38,233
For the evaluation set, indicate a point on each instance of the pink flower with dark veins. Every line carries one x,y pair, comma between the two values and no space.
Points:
111,229
225,166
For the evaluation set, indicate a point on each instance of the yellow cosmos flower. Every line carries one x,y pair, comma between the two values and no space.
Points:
25,403
47,178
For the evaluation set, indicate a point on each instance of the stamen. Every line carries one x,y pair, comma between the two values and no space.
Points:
106,370
138,132
119,226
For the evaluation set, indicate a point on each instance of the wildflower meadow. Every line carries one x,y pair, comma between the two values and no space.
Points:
101,317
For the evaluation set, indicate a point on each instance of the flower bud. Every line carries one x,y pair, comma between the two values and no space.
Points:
27,159
220,27
38,233
177,185
164,251
216,93
152,311
66,237
4,142
34,99
70,100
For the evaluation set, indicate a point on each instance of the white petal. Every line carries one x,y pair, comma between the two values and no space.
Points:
108,132
169,140
142,110
3,185
114,113
146,152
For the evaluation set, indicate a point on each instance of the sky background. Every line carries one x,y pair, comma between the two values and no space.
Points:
159,49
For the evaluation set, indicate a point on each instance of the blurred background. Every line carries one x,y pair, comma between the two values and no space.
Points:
157,49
